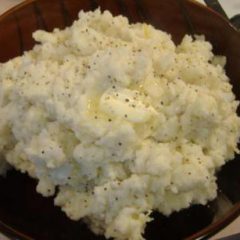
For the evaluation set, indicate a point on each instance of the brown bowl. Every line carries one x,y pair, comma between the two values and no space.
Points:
26,215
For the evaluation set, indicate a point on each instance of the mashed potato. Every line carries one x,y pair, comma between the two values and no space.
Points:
120,119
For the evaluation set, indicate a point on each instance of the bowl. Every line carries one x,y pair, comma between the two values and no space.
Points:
24,214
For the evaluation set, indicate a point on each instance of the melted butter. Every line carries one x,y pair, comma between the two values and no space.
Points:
93,109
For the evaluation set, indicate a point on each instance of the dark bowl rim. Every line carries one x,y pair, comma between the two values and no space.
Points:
206,232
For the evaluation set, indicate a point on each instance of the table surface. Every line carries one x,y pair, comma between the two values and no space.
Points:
232,7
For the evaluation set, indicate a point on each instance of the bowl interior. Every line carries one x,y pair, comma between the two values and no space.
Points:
23,212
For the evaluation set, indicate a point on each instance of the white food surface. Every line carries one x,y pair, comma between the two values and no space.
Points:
121,119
